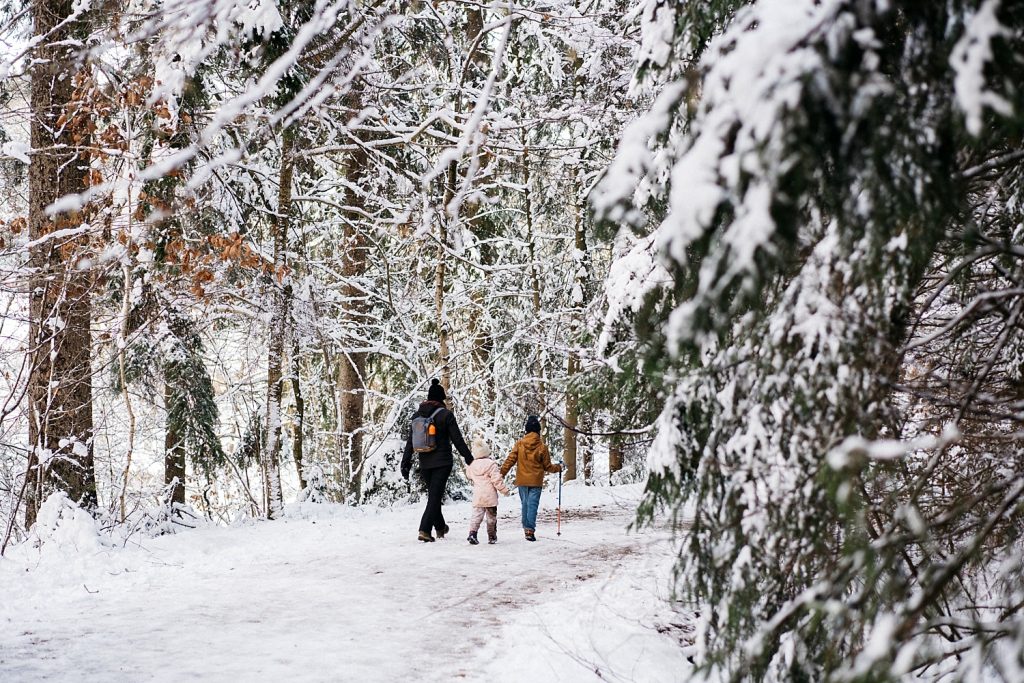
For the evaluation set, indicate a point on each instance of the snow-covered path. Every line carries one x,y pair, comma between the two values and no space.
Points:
349,595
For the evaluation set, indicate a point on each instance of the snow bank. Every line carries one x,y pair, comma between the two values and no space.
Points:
620,628
334,592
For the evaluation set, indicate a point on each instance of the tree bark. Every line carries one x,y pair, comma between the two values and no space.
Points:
569,443
355,258
538,367
477,59
614,456
587,453
174,456
444,352
272,497
60,339
572,365
300,415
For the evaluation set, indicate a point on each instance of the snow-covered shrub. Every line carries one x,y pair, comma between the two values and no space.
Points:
316,490
382,476
63,527
168,518
458,487
633,470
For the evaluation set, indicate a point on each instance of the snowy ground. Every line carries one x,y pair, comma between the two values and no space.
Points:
339,594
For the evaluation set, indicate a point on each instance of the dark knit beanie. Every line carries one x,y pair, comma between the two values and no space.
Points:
533,424
436,392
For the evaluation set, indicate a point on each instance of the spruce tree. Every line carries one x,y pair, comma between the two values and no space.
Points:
805,185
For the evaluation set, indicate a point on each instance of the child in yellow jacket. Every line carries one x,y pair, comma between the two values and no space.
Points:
532,461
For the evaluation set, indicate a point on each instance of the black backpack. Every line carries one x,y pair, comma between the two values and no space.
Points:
424,432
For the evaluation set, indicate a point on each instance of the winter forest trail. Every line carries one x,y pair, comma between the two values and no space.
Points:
341,594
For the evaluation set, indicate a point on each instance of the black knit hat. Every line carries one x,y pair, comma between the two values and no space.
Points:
436,392
533,424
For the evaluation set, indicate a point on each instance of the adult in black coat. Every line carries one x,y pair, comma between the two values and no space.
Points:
436,465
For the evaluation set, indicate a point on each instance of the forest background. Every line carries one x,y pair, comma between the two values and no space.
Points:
279,222
763,256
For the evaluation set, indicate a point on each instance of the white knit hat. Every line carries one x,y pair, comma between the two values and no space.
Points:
480,448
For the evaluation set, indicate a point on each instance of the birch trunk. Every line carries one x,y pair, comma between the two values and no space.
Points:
272,497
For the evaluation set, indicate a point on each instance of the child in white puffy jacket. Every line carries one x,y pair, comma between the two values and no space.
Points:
487,482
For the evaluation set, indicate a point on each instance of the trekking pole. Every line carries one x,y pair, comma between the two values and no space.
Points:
562,466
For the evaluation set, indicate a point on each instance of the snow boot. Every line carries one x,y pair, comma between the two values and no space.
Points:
425,537
441,532
529,535
491,540
472,538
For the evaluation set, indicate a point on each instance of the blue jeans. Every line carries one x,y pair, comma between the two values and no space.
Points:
529,496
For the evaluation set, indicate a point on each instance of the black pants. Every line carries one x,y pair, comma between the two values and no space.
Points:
436,478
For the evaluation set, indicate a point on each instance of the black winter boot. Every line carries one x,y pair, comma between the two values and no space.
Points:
529,535
491,540
472,538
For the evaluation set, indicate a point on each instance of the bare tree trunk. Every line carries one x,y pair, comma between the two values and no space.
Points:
355,258
444,352
126,273
614,456
572,365
538,366
478,58
272,496
352,376
571,421
174,455
60,339
482,398
300,415
587,453
344,471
